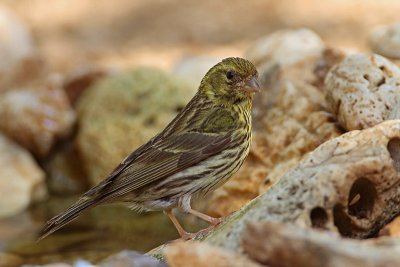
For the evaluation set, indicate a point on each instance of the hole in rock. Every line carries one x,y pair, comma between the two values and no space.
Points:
361,198
342,221
318,217
394,149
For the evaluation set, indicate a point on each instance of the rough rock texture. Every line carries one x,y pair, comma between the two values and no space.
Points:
287,245
295,125
22,182
363,90
385,40
36,117
195,254
348,185
123,111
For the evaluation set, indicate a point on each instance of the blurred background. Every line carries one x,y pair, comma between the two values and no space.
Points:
84,82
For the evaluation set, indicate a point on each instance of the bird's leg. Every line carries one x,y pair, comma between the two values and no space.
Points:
205,217
184,235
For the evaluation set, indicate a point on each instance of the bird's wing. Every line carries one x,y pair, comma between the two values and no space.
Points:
166,155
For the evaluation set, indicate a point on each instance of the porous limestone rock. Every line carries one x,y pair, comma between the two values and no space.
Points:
385,40
36,117
295,125
363,90
123,111
349,185
286,245
182,254
22,182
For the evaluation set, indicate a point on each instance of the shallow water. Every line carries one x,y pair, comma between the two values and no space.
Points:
95,235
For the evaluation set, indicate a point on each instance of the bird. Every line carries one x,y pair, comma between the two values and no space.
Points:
198,151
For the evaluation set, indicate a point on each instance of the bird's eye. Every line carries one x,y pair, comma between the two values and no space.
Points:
230,75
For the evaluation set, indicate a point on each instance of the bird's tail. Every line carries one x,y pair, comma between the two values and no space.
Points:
67,216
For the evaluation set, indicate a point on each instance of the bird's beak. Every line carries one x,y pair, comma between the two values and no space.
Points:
252,86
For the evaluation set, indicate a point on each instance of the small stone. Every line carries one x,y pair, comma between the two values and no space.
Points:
182,254
36,117
123,111
128,258
385,40
22,182
363,90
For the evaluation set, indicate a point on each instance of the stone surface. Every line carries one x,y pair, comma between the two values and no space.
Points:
122,112
286,245
363,90
195,254
385,40
22,182
36,117
347,185
295,125
130,259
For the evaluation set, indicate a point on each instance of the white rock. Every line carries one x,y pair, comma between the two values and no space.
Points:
363,90
286,47
193,68
22,182
385,40
15,40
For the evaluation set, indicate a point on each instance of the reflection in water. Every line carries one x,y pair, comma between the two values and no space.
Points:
95,235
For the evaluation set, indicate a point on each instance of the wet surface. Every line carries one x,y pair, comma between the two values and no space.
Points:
95,235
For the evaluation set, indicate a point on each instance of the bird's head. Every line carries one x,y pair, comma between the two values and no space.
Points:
233,80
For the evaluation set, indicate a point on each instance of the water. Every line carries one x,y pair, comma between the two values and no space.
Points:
103,231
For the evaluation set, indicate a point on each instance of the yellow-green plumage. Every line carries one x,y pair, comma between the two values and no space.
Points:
198,151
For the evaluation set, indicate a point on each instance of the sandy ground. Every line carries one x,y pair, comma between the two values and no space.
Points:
120,33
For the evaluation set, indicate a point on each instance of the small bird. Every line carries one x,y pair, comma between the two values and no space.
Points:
198,151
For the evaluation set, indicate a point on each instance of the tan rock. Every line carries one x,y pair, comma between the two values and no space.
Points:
22,182
363,90
36,117
295,125
385,40
128,258
195,254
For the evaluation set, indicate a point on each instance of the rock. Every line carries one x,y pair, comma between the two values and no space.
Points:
349,185
36,117
286,47
385,40
123,111
81,79
363,90
15,40
193,68
22,182
295,125
130,259
10,260
288,245
182,254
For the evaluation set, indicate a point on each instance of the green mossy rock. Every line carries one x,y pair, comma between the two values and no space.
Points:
121,112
